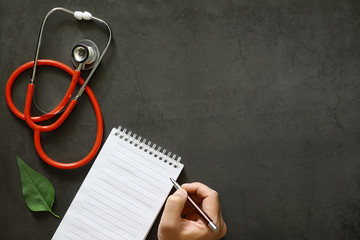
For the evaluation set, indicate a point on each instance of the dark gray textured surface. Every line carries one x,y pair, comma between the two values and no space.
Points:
260,98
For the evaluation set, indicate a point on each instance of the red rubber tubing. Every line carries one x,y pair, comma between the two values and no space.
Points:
58,108
40,128
30,120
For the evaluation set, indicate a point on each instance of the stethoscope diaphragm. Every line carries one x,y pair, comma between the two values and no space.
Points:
85,52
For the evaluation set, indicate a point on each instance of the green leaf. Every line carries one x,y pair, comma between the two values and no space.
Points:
37,190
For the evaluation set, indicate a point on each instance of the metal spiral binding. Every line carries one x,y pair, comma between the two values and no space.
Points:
145,145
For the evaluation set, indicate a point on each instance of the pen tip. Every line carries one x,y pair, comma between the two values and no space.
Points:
176,185
174,182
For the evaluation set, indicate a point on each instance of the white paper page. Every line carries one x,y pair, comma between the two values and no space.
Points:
121,196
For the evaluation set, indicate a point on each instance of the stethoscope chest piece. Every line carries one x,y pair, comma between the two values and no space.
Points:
85,52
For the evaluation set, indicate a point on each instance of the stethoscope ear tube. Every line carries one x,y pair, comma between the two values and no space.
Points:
79,16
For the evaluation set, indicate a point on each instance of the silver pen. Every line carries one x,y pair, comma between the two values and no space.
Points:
197,209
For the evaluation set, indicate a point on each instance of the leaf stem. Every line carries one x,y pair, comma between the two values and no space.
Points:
54,214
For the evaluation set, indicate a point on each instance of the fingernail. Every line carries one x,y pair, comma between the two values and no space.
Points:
181,191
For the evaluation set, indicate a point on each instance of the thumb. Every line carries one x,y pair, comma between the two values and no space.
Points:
173,207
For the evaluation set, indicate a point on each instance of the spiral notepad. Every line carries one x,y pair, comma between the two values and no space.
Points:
123,192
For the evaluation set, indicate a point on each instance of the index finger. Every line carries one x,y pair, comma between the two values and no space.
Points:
199,189
210,198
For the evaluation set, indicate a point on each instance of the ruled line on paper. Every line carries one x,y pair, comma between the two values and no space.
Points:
137,176
87,226
160,164
139,200
118,212
135,190
150,176
143,160
155,171
116,203
130,203
107,221
137,183
119,219
76,234
128,186
98,223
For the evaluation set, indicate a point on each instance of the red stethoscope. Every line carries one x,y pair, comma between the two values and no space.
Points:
85,56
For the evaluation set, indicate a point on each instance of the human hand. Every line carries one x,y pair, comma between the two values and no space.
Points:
191,227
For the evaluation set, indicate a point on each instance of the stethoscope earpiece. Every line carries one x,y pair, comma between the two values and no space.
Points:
85,52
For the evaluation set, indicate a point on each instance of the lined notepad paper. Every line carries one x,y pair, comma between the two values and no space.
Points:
123,192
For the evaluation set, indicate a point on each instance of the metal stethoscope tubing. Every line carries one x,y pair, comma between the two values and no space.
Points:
80,16
64,106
